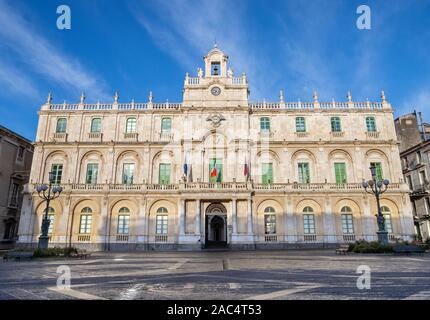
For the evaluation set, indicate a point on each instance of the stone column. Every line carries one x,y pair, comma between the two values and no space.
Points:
141,223
250,222
369,221
329,222
234,215
198,219
181,205
290,227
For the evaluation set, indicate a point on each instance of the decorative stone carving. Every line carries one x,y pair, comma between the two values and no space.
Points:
215,119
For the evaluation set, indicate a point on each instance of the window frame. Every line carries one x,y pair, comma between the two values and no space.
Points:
99,128
61,126
336,124
131,125
94,177
304,174
300,124
58,174
130,179
161,224
166,129
371,124
265,124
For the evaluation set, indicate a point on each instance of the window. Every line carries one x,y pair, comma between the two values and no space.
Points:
161,221
304,176
215,170
340,172
265,124
347,220
92,173
166,125
131,125
371,124
269,221
96,125
128,173
387,216
423,177
428,205
419,157
215,68
335,124
86,221
61,125
20,154
308,221
164,173
14,195
411,185
57,170
123,221
267,173
378,167
300,124
51,218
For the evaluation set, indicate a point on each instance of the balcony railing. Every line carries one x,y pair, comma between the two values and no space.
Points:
95,136
122,237
161,238
372,134
271,238
62,137
84,238
221,187
337,134
131,135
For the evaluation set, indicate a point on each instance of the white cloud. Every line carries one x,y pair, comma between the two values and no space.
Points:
187,29
15,82
420,101
43,58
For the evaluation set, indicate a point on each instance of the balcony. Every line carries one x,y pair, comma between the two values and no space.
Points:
131,136
372,135
221,187
348,237
59,137
85,238
95,136
166,136
337,134
302,134
161,238
122,238
265,135
271,238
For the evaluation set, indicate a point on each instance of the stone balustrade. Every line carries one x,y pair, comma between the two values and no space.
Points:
220,187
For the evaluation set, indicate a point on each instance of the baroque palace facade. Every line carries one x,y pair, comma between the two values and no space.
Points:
215,169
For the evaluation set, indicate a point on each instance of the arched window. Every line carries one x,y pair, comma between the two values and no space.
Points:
123,221
269,220
161,221
96,125
300,124
265,124
166,125
61,125
336,124
162,210
347,220
386,212
308,221
86,221
371,124
131,125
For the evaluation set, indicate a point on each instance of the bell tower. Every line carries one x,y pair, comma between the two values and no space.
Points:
216,63
215,85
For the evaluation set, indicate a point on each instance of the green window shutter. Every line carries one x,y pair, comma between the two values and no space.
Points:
164,173
57,169
128,173
264,124
335,124
267,173
92,173
379,174
166,125
304,176
61,125
96,125
371,124
300,124
340,172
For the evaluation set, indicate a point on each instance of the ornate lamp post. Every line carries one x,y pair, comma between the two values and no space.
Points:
377,188
53,192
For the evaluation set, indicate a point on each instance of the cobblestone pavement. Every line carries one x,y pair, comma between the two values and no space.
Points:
289,274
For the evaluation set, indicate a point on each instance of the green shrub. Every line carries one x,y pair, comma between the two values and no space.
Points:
54,252
363,246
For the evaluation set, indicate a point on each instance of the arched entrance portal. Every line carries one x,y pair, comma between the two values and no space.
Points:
216,225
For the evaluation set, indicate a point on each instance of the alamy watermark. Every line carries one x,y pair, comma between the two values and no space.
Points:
364,280
364,21
64,21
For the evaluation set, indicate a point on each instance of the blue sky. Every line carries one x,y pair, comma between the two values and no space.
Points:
139,46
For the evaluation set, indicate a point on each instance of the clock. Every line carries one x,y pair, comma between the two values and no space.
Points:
215,91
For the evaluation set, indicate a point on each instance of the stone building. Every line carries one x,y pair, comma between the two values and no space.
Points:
16,154
215,169
414,139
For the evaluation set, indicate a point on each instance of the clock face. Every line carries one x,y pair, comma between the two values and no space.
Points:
215,91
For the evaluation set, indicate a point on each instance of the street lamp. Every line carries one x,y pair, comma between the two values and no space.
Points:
377,188
53,192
